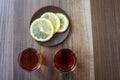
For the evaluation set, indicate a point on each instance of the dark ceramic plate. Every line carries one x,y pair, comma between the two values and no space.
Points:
58,37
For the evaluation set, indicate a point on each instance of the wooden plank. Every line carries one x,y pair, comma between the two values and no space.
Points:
14,37
106,32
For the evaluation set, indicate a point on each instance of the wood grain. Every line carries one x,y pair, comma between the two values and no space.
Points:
6,40
106,38
94,38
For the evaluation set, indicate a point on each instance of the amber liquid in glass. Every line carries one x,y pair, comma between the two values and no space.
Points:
65,60
29,59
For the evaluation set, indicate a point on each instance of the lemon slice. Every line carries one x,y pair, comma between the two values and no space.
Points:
53,18
64,22
41,30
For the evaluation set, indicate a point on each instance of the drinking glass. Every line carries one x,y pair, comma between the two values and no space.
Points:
65,60
29,59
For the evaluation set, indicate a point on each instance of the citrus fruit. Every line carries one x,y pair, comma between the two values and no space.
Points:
53,18
64,22
41,30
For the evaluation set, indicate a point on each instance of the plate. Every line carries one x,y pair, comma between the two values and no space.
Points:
58,37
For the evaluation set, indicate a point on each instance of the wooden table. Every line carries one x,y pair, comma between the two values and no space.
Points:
94,37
